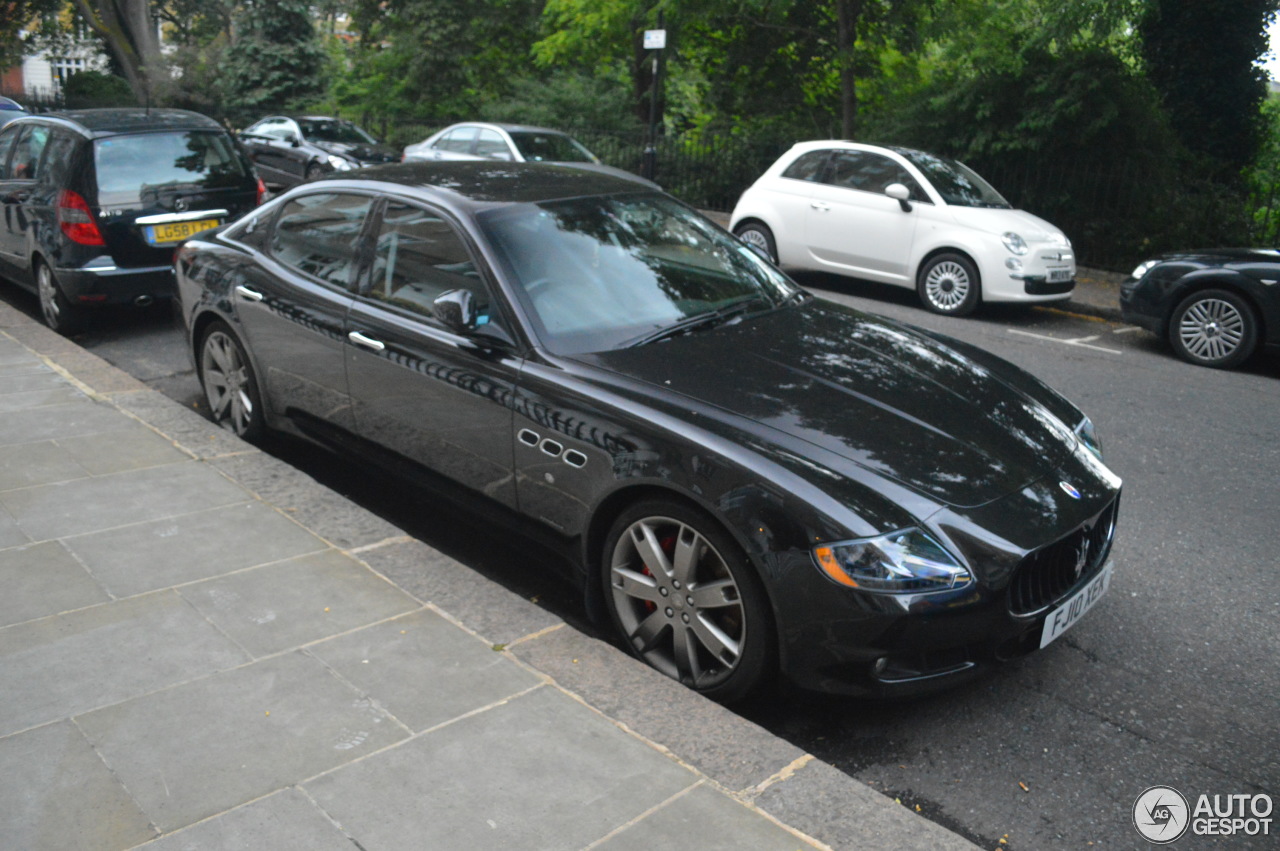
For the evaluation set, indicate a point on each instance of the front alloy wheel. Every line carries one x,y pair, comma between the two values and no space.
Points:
1213,328
229,384
686,600
949,285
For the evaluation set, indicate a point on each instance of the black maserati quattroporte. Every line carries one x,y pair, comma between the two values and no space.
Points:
746,478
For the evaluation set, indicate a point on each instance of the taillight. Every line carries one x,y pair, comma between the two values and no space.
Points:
262,190
76,219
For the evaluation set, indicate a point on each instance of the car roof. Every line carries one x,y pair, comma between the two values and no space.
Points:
479,183
509,128
105,122
836,144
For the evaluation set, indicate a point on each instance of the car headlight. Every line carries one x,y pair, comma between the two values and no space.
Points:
1089,437
339,164
903,562
1143,268
1013,242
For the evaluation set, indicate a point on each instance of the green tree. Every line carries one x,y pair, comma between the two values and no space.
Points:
21,15
275,60
1200,54
129,32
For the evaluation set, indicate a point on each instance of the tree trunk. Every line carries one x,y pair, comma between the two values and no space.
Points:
848,14
130,33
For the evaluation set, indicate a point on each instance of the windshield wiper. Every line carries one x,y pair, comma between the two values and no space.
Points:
701,320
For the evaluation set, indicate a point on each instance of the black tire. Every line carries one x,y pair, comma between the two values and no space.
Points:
949,284
1213,328
313,171
58,313
700,614
759,235
230,386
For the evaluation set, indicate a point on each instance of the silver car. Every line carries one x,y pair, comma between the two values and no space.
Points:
510,143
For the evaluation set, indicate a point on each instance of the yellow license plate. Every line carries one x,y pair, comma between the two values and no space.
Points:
178,231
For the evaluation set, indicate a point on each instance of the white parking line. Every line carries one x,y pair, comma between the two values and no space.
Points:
1082,342
1128,329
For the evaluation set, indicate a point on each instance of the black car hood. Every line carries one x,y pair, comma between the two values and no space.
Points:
360,153
894,401
1224,256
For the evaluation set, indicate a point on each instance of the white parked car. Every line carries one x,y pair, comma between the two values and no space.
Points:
510,143
903,217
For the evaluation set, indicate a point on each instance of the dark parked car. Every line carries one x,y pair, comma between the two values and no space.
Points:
96,200
743,476
290,149
1215,307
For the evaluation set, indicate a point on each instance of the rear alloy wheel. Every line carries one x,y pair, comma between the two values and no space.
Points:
948,284
1213,328
58,313
759,235
687,601
229,383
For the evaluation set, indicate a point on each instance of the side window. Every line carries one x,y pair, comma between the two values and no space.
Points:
490,144
807,166
871,173
319,235
56,168
458,141
417,257
276,129
7,138
26,154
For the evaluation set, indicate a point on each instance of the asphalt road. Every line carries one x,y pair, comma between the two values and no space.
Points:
1171,680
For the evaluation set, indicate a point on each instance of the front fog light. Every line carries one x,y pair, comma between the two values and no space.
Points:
1013,264
905,562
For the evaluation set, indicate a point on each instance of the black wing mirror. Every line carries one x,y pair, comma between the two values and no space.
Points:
456,310
901,194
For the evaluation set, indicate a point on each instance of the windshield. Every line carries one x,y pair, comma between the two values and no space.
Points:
551,147
331,130
955,182
138,168
607,272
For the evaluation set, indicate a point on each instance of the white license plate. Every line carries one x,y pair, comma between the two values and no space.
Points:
1057,275
1065,616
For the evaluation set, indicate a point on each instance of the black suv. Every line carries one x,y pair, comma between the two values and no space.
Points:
95,201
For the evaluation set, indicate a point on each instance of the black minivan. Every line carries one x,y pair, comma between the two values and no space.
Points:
95,201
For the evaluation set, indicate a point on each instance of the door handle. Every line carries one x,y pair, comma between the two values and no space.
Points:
368,342
252,295
820,206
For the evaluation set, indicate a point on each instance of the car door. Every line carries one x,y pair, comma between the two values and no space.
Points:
853,227
9,201
18,192
275,152
418,389
457,144
293,306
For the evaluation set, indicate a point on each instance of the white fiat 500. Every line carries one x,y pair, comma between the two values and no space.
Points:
904,217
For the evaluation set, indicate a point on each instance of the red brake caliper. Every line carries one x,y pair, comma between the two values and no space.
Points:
668,545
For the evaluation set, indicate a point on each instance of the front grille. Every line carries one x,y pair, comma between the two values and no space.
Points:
1048,574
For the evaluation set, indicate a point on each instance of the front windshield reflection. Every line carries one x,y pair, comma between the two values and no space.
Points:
958,184
605,272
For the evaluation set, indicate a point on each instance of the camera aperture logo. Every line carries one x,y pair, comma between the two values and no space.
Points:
1160,815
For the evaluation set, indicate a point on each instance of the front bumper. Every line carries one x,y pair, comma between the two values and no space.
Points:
102,282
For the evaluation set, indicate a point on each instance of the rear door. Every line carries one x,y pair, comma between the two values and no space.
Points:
156,189
425,393
292,306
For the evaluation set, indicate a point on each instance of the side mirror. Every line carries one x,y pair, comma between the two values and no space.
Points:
456,310
292,139
901,194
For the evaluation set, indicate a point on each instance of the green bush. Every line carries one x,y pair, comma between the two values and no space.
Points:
93,89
